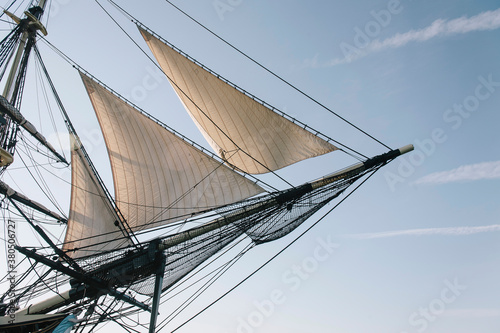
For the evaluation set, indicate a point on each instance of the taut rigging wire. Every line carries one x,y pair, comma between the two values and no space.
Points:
273,74
176,133
221,270
277,76
310,226
197,107
278,253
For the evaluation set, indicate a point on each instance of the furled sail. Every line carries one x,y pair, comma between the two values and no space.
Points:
159,178
91,223
242,131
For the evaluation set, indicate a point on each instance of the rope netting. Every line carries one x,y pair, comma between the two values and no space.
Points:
262,219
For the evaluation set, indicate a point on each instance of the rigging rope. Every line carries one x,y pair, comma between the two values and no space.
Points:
127,230
221,270
40,182
277,76
349,150
41,69
197,107
176,133
278,253
197,272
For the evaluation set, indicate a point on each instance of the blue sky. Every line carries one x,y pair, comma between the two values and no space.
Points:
416,249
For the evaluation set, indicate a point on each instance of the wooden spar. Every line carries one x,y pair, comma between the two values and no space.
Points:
282,198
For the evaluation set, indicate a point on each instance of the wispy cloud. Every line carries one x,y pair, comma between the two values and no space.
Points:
471,172
452,231
489,20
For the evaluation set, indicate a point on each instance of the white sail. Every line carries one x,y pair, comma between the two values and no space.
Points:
241,130
159,178
91,223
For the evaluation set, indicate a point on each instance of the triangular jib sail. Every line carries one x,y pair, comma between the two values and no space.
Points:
242,131
159,178
91,224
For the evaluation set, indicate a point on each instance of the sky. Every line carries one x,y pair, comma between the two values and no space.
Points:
416,248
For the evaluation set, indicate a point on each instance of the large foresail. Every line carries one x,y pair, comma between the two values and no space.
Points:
160,178
91,223
242,131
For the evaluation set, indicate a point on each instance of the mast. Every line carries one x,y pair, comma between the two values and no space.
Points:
34,21
157,292
165,254
115,269
25,36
